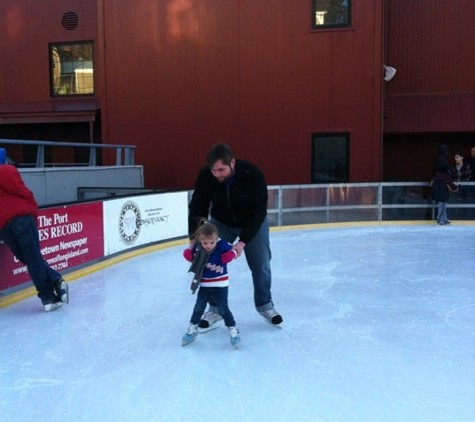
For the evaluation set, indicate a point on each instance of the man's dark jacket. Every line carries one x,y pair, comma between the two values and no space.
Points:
442,182
241,204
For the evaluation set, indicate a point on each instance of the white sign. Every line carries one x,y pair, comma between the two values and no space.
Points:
140,220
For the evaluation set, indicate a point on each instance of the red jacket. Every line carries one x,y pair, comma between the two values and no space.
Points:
15,198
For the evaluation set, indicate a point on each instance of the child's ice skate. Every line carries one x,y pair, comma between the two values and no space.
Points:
234,336
190,335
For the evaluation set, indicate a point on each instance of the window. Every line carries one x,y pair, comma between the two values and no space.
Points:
71,69
331,14
330,158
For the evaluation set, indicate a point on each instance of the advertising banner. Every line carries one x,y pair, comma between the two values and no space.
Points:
69,236
131,222
74,235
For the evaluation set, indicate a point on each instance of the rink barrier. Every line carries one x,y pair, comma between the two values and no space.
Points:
357,202
76,236
105,227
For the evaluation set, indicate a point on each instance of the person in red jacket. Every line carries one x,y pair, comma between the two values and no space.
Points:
18,229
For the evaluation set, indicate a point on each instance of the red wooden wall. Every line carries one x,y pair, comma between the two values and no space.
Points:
247,72
432,45
175,76
431,99
26,29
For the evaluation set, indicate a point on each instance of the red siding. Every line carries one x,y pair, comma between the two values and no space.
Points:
410,114
26,29
245,72
432,46
175,76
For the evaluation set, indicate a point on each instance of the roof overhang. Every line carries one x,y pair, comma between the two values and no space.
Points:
51,112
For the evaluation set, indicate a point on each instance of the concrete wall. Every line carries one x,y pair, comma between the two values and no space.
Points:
57,185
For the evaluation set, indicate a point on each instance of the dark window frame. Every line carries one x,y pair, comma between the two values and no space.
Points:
332,25
332,165
65,84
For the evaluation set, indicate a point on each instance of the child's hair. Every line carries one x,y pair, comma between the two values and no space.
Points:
205,229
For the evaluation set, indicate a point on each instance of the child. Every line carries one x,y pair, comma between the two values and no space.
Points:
209,257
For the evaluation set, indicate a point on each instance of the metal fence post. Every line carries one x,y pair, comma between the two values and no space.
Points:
40,156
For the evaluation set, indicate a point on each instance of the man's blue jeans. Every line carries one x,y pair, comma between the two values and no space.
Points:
258,256
22,237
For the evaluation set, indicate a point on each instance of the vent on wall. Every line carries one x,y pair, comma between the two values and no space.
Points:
70,21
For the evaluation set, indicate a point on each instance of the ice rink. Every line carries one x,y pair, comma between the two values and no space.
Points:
379,326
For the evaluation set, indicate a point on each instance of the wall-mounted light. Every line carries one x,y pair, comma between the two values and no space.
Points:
389,73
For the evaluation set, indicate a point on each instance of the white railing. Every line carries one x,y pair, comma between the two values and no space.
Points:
353,202
388,201
124,153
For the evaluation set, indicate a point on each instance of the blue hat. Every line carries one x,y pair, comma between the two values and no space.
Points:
3,156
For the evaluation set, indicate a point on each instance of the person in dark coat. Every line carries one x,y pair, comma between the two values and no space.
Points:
442,184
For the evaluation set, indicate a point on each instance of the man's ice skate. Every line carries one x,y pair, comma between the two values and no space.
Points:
190,335
52,306
272,317
61,289
234,336
210,321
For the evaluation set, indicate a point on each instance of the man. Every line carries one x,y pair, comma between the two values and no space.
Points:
18,214
233,194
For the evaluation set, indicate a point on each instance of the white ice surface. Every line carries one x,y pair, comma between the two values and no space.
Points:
379,326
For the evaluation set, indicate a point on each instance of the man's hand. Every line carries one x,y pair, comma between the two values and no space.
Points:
239,247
